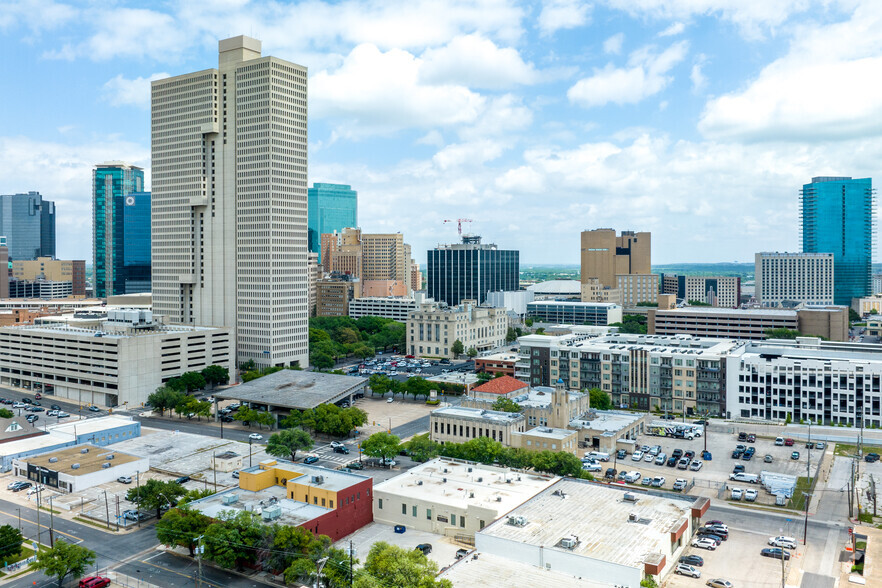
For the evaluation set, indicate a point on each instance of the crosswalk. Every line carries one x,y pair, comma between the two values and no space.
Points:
326,454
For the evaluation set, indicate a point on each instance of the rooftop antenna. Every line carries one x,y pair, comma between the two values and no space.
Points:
459,222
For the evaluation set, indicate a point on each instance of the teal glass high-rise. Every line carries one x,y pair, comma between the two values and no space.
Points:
332,207
120,230
838,218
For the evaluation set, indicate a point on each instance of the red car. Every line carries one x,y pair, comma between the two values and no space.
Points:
38,396
408,356
788,442
94,582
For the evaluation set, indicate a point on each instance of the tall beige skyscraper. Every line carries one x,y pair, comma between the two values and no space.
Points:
621,263
229,201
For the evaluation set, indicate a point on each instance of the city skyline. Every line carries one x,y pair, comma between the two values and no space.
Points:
648,116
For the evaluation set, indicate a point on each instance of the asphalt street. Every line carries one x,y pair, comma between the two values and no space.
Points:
170,570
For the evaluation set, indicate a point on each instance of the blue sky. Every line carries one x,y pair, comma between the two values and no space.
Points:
697,120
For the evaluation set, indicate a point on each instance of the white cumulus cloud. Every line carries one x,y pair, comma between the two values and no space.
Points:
645,75
673,30
563,14
476,62
614,44
120,90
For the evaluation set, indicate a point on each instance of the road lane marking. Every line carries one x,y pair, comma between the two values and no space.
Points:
42,526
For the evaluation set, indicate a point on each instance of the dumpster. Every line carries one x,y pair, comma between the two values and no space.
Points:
399,528
706,456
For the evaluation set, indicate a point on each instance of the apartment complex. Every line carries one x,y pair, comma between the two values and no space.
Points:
794,277
679,373
575,313
750,324
838,215
395,308
471,269
122,361
382,261
52,270
806,379
416,276
28,223
334,293
332,207
120,229
636,288
229,201
432,330
497,363
723,291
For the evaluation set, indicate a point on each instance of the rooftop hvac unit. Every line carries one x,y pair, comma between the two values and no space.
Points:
444,470
568,542
75,466
53,459
229,499
84,450
480,479
443,480
470,470
105,465
318,479
471,494
271,513
419,482
499,499
109,457
632,518
629,497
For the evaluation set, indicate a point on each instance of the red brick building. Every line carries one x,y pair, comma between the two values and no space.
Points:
498,363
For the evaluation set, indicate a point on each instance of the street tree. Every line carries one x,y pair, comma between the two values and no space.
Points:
457,348
379,384
287,442
382,445
165,398
203,409
156,494
321,360
216,375
186,405
234,539
391,565
192,381
10,542
598,399
63,560
5,413
264,419
472,352
363,351
181,527
506,405
421,448
245,415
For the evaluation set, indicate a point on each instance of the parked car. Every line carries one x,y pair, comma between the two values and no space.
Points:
692,560
638,455
779,441
647,481
426,548
719,583
632,477
621,453
94,408
678,453
227,419
767,458
717,525
62,415
720,532
706,533
704,543
648,457
655,449
871,457
783,541
22,486
310,459
55,407
788,442
658,481
738,469
775,552
134,515
124,479
742,436
38,396
610,473
794,455
751,438
236,474
461,553
336,444
672,462
683,463
689,453
737,493
255,436
660,459
750,495
355,465
679,484
342,449
94,582
687,570
695,466
32,418
183,479
390,400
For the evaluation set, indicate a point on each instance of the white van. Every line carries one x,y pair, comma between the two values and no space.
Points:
742,477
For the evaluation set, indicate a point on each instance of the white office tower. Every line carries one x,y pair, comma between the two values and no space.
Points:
229,218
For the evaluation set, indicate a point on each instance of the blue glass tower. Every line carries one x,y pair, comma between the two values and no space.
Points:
837,217
332,207
121,230
28,223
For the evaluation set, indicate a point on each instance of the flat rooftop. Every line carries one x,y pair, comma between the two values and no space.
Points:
93,425
69,330
293,513
837,351
602,526
478,414
90,462
462,488
507,356
609,421
731,312
549,433
476,573
295,389
573,303
334,480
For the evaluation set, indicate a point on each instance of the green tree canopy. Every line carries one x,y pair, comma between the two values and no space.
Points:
245,414
484,377
632,323
192,381
63,560
329,419
510,335
165,398
782,333
421,448
287,442
382,445
457,348
853,316
5,413
216,375
10,542
506,405
391,565
234,539
599,400
321,360
156,494
181,527
472,352
264,419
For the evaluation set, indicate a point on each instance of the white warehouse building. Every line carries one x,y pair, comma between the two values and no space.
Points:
121,361
806,379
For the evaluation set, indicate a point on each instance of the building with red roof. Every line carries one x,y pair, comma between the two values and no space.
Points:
503,386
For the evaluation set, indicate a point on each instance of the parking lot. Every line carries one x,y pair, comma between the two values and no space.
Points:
714,474
737,560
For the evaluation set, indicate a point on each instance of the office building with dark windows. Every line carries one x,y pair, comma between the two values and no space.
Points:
28,223
471,269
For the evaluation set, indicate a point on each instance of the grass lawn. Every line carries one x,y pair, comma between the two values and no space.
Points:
797,501
844,450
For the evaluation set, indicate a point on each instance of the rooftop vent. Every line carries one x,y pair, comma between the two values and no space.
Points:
109,457
444,470
471,494
569,542
75,466
230,499
632,518
443,480
499,499
105,465
518,521
419,482
470,470
629,497
480,479
53,459
318,479
84,450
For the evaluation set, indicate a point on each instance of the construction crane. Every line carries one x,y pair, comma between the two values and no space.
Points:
459,222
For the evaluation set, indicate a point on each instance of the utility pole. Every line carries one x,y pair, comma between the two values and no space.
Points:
138,493
214,469
38,511
199,550
51,525
350,563
318,576
117,512
107,509
19,519
806,495
783,575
